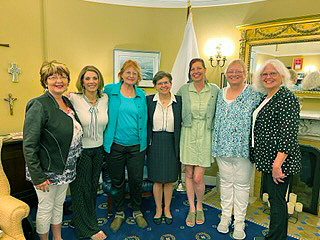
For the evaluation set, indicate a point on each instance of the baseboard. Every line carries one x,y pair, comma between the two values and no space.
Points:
208,180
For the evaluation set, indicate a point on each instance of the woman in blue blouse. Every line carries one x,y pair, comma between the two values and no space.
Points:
125,140
230,146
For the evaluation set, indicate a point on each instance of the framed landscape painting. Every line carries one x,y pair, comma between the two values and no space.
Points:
148,61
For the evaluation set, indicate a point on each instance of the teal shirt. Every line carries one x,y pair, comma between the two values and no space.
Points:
127,133
114,96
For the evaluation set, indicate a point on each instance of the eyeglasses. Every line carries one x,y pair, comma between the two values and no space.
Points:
56,77
237,72
163,83
272,74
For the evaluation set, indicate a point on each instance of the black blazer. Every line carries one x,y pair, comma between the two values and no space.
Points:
176,108
276,130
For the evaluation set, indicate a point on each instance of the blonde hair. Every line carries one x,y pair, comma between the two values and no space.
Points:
49,68
79,83
127,64
243,65
279,67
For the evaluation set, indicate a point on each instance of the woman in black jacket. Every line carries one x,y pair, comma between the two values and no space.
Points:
276,151
51,145
164,124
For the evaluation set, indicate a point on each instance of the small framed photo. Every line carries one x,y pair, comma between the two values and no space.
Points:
297,63
148,61
223,80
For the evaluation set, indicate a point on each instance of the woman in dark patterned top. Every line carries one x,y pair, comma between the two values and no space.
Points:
274,140
52,137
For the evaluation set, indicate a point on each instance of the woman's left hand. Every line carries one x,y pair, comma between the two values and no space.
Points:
277,174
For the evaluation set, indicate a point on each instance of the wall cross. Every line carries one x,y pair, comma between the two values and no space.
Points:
10,100
15,71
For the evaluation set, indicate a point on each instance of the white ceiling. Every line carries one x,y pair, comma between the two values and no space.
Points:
173,3
289,49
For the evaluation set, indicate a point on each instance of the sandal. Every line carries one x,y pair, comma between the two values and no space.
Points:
200,217
191,219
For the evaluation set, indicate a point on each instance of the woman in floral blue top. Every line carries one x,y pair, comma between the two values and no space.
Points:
230,146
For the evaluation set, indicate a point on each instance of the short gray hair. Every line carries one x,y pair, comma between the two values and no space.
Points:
161,74
280,68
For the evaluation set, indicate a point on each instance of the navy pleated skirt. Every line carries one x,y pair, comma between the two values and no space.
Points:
163,166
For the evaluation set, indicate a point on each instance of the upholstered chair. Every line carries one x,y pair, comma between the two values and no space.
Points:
12,210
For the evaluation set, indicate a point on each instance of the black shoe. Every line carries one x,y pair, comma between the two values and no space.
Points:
168,220
157,220
71,225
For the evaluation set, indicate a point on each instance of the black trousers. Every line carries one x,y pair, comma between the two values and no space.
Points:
278,227
119,158
84,191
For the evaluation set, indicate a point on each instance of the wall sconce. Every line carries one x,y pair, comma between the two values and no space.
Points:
218,50
219,59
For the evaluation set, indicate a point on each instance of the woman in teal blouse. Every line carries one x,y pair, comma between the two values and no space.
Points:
125,140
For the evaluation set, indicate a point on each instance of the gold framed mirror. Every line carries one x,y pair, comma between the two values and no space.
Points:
289,40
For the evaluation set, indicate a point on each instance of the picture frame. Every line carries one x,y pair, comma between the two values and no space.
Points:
223,80
149,62
297,63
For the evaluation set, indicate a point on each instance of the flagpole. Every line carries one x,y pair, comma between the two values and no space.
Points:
180,187
189,9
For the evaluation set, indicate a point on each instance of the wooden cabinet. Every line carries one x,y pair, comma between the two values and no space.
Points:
14,167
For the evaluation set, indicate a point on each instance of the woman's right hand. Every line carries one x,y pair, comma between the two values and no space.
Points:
43,186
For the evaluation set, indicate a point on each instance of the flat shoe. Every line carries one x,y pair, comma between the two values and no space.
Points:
200,217
157,220
191,219
168,220
140,221
116,223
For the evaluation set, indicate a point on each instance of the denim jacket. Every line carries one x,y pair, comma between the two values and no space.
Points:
186,105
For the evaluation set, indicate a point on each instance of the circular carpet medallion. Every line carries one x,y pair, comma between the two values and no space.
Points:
167,236
132,238
202,236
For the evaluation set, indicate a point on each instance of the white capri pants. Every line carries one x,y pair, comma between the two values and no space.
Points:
235,174
50,207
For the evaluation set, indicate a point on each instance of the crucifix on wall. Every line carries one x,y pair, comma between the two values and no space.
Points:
10,100
15,71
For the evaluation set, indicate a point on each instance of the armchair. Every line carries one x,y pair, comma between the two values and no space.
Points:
12,210
146,189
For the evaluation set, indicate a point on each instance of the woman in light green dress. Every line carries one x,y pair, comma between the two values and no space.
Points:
198,107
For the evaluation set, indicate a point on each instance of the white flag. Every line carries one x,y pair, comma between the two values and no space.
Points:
187,51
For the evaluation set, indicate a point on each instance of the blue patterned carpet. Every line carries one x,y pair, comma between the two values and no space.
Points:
178,230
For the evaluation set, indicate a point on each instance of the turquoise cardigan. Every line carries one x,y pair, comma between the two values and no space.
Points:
186,105
113,92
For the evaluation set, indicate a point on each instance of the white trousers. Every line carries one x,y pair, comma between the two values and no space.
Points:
50,207
235,173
